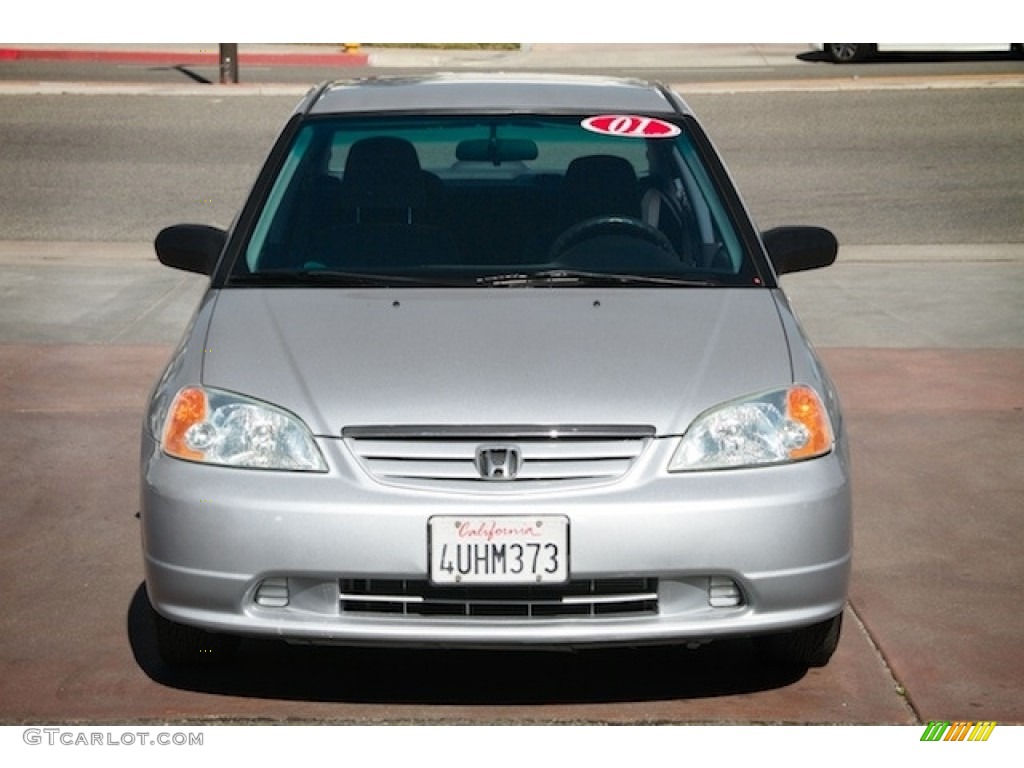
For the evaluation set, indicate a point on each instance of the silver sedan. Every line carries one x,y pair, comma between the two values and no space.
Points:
495,361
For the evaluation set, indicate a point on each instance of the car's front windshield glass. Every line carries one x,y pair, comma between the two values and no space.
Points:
494,201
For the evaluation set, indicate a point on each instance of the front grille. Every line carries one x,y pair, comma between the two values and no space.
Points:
603,597
449,457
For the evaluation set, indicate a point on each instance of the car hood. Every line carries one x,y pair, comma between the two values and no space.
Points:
510,356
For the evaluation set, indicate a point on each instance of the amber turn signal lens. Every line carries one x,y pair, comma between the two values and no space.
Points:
189,408
805,408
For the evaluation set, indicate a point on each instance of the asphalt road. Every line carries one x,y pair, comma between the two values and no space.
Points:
920,324
895,167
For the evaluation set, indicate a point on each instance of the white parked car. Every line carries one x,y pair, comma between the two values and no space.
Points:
845,53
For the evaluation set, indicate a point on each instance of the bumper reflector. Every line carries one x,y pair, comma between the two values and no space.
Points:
723,592
273,593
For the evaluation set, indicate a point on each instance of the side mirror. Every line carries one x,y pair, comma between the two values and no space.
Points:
795,249
191,247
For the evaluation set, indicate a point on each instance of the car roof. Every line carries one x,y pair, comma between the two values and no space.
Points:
492,92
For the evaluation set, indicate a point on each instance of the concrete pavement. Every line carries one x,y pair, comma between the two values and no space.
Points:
889,297
532,56
714,68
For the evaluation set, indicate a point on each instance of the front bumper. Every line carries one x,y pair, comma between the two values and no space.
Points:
213,537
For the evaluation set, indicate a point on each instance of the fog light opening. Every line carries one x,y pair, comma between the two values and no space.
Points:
723,592
273,593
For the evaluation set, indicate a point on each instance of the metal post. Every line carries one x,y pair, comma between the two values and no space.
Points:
228,63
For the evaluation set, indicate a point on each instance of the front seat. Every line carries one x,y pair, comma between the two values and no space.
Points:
383,181
598,185
593,185
391,203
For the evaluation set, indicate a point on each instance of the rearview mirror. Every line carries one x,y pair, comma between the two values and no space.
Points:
496,151
191,247
796,249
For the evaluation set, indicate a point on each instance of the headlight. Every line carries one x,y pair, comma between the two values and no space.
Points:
215,427
771,428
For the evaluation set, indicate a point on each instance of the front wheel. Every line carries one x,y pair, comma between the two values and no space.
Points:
811,646
847,53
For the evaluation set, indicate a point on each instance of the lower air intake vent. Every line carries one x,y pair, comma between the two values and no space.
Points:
605,597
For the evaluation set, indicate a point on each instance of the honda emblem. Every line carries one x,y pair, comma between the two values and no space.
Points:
498,462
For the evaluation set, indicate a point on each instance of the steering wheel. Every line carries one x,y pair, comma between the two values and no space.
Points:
599,226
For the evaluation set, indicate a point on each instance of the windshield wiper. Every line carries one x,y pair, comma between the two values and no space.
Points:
571,277
338,278
542,278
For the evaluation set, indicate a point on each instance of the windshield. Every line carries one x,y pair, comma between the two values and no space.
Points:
488,201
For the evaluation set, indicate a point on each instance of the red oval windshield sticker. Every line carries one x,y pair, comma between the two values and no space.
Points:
631,126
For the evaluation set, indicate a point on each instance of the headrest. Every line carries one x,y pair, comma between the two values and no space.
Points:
383,172
599,185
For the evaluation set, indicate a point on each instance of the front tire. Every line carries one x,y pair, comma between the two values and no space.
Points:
184,646
811,646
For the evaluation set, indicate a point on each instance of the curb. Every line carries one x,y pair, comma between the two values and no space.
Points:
212,58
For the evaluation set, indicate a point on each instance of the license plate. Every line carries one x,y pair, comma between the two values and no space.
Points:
499,550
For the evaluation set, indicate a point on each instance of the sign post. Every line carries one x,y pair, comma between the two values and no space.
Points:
228,63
